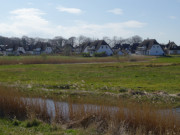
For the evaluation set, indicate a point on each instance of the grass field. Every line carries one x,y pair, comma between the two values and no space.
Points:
159,74
50,76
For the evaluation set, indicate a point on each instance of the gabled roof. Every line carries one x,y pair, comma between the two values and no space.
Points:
126,46
148,43
117,46
42,45
98,43
83,46
28,47
172,46
134,47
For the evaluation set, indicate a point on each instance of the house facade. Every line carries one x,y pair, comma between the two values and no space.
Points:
19,50
150,47
98,46
172,48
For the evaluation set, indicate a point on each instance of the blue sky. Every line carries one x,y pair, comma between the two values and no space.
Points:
159,19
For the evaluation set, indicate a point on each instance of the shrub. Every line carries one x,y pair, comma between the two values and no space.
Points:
33,123
16,122
102,54
11,54
86,54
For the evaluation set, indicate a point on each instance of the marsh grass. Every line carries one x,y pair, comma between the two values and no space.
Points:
135,118
66,60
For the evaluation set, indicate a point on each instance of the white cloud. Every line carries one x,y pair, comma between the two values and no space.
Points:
25,21
173,17
69,10
116,11
30,22
100,30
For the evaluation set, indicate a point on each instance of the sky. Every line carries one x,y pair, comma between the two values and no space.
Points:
154,19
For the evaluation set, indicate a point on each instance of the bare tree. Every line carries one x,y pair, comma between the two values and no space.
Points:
72,41
108,40
135,39
83,39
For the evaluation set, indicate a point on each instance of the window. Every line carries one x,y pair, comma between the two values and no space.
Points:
156,51
102,47
106,46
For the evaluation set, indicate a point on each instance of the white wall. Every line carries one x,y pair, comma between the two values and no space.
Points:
86,49
21,49
105,48
174,52
48,50
156,50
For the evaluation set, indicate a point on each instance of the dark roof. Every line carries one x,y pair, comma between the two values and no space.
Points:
9,46
117,46
126,46
42,45
172,46
83,46
98,43
148,43
28,47
134,47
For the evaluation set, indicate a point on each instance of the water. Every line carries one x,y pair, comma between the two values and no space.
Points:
65,108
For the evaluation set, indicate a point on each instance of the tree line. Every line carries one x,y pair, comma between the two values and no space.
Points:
61,41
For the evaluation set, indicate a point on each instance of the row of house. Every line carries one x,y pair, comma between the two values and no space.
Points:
37,49
147,47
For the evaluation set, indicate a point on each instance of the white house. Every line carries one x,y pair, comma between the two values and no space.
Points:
37,48
9,50
47,50
174,51
98,46
172,48
19,50
150,47
81,48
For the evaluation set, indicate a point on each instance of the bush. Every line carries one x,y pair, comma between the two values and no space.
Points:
86,54
102,54
33,123
11,54
16,122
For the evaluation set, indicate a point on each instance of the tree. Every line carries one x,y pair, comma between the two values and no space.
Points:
72,41
83,39
107,39
136,39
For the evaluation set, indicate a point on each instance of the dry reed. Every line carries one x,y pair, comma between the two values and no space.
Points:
127,117
70,60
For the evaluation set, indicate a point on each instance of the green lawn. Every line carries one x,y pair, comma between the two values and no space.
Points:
14,127
160,74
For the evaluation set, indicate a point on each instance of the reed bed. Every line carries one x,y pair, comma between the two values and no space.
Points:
129,118
66,60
